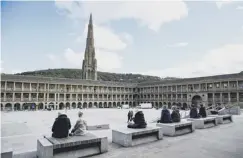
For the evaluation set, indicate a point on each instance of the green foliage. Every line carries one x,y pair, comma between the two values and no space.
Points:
103,76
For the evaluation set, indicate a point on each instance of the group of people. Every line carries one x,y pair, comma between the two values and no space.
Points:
166,117
195,114
62,125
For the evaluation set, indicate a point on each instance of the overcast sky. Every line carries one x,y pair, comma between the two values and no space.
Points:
176,39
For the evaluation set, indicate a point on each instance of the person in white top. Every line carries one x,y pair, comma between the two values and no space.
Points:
79,128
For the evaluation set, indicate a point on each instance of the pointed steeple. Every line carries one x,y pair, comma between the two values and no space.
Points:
90,35
90,19
90,63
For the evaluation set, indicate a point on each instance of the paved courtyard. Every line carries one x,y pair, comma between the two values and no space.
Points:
20,131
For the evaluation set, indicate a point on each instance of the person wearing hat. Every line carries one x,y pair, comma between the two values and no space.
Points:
79,128
139,120
61,126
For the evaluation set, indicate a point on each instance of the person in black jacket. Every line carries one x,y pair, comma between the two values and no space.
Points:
165,115
202,111
175,115
61,126
139,121
193,112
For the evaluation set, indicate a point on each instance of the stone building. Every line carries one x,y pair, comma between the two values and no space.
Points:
25,92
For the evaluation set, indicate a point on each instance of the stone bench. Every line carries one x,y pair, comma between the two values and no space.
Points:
98,127
201,123
130,137
222,119
176,129
71,147
7,153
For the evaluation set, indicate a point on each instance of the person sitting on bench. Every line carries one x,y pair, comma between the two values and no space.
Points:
202,111
80,127
193,112
61,126
139,120
175,115
165,115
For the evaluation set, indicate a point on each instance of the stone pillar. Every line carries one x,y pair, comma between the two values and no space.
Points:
221,98
229,97
213,98
29,96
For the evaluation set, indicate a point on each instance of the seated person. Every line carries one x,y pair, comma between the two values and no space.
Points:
193,112
202,111
165,115
61,126
175,115
139,120
79,128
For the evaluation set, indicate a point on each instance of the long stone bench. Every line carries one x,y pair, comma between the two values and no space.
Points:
71,147
222,119
130,137
98,127
176,129
7,153
201,123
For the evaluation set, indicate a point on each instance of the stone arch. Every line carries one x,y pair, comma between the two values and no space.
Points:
8,106
79,105
134,104
105,105
174,104
95,104
90,105
1,107
156,104
184,106
126,102
100,105
160,104
196,100
118,104
17,106
122,103
85,105
152,104
68,105
41,106
61,105
74,105
26,106
110,105
51,105
164,103
114,104
130,104
169,105
179,105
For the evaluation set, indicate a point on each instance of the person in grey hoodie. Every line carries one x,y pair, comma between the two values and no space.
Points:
79,128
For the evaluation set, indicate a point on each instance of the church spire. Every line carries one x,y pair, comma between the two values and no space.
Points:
89,70
90,19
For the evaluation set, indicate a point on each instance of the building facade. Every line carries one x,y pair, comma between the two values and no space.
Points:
29,92
26,92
